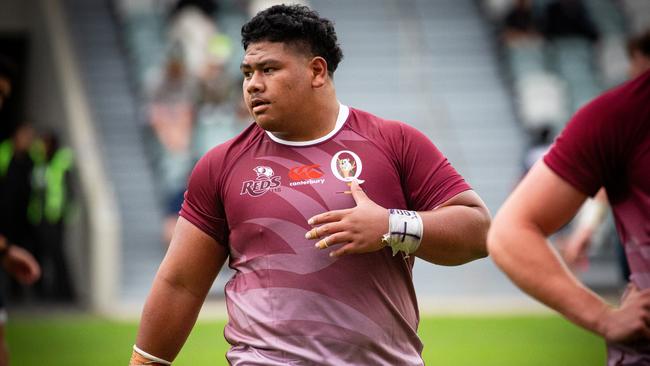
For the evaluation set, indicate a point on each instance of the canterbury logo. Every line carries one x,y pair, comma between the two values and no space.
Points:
305,172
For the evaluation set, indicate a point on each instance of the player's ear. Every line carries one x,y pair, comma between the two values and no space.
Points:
318,67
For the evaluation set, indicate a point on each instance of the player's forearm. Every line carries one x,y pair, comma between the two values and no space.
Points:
525,255
179,289
454,235
167,318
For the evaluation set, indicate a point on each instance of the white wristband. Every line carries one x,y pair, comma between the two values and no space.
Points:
405,230
149,357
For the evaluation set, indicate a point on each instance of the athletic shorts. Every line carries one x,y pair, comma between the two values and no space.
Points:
634,354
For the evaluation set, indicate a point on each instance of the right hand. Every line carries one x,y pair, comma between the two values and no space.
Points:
359,229
631,321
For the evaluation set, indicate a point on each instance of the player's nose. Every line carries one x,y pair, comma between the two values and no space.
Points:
255,84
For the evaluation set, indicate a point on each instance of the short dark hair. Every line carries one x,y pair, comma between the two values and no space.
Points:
640,43
297,25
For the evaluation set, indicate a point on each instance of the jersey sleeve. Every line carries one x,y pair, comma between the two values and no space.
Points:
586,151
427,176
202,205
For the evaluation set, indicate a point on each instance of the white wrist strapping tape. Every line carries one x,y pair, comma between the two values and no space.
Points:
404,231
149,357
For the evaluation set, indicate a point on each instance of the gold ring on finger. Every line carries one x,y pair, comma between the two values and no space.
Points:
316,235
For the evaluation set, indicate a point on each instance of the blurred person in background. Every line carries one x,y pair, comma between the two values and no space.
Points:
5,83
172,113
220,98
15,260
194,86
16,165
191,28
264,200
172,97
208,7
50,205
638,50
8,108
568,18
211,113
606,144
520,24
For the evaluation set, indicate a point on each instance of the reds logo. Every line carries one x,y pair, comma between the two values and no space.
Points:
266,181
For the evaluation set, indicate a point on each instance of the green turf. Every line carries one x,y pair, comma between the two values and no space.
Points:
453,341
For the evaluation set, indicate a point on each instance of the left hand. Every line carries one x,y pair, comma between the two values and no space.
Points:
360,228
630,322
21,265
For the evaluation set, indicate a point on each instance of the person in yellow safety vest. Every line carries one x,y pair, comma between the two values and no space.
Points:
47,211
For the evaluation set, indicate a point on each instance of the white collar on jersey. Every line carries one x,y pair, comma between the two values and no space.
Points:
344,111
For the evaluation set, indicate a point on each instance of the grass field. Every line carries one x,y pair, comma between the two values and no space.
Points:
452,341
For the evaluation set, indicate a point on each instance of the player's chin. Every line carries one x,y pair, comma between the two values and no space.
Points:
265,122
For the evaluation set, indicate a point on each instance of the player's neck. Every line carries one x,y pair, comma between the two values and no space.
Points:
315,122
324,120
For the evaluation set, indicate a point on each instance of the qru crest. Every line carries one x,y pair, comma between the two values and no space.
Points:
346,166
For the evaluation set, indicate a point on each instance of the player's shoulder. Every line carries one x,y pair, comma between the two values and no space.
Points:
375,127
616,108
631,94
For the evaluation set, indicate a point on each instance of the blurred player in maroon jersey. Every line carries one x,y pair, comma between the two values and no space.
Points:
606,144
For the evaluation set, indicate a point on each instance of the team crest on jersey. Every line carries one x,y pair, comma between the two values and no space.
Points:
346,166
266,181
306,175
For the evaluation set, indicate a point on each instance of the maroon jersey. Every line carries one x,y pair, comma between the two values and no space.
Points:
607,144
289,303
